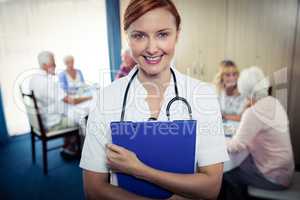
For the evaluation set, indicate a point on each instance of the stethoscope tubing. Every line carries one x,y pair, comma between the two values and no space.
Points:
176,98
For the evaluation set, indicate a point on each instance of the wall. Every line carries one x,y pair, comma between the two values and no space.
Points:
294,96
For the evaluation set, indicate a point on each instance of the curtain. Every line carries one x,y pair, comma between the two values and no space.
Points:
114,35
76,27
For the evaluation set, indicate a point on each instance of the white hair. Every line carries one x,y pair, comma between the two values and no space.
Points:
253,84
68,57
44,58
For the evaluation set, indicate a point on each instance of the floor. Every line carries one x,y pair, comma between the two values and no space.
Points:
21,179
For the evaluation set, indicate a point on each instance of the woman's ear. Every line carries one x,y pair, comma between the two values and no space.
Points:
178,34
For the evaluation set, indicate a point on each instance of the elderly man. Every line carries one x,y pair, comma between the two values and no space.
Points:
127,64
52,100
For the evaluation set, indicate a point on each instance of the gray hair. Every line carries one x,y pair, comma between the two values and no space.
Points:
44,58
68,57
253,84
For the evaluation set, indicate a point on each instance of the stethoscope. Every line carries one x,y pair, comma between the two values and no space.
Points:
176,98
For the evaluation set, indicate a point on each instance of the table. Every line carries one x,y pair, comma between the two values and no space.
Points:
79,111
236,159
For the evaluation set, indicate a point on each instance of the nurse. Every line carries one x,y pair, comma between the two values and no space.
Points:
152,28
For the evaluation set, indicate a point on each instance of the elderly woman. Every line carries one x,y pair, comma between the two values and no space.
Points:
264,132
71,79
231,101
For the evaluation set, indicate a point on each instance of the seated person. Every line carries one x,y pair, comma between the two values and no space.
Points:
71,79
127,64
51,100
232,103
264,132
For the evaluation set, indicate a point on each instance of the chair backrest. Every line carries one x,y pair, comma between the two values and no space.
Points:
33,113
83,126
270,91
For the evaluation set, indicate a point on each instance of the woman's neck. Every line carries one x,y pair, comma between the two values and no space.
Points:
155,83
72,73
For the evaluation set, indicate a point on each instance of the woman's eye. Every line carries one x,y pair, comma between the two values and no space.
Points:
138,36
163,35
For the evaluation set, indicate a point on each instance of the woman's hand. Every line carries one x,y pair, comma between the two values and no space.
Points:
234,147
122,160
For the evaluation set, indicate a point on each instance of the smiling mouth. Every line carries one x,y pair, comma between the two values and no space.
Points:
153,59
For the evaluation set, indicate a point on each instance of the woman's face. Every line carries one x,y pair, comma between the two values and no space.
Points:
152,39
230,78
70,63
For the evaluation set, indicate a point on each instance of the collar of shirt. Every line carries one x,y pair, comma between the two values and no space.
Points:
43,72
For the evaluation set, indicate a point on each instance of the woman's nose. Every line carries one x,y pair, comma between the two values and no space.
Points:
152,47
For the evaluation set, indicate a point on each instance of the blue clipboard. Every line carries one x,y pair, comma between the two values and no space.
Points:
167,145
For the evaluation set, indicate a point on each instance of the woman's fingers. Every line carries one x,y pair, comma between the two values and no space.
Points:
115,148
112,154
112,159
121,159
115,157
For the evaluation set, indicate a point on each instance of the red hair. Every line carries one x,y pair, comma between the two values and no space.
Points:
137,8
